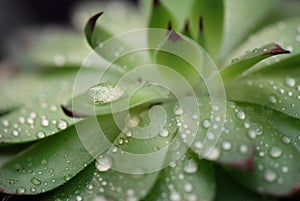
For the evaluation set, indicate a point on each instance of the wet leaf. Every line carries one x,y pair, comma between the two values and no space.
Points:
240,65
285,33
186,179
37,170
278,89
275,171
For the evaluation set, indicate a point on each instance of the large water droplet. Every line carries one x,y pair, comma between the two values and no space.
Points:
270,176
241,115
273,99
62,124
275,152
104,93
190,166
5,123
206,124
164,132
15,133
175,196
226,145
40,135
188,187
20,190
213,154
290,82
103,163
286,140
36,181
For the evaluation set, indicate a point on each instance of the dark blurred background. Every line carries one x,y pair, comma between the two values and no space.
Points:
17,14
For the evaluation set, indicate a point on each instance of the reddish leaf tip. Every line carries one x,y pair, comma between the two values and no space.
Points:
156,3
92,21
72,113
277,50
173,36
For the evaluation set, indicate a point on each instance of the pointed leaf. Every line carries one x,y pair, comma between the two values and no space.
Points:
38,170
239,21
186,179
239,66
278,89
285,33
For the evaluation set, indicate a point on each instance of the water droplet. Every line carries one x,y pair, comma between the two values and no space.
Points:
15,133
273,99
164,132
290,82
226,145
36,181
104,93
195,116
241,115
175,196
190,166
188,187
243,149
275,152
40,135
62,124
206,123
21,119
5,123
252,134
178,111
270,176
44,162
79,198
286,140
103,163
213,154
44,122
59,60
20,190
285,169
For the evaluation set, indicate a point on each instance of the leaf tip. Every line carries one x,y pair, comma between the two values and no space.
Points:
277,50
201,24
173,36
156,3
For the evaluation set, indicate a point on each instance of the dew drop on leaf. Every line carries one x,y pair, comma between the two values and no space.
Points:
104,93
206,123
273,99
103,163
62,124
36,181
275,152
190,166
40,135
164,133
226,145
20,190
270,176
241,115
286,140
290,82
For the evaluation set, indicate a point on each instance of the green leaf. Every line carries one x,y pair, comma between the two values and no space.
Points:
36,101
235,145
51,47
278,89
9,151
186,179
275,170
285,33
106,98
240,20
206,21
79,187
229,190
37,170
239,66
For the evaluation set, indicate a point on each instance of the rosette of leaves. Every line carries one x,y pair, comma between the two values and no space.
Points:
255,46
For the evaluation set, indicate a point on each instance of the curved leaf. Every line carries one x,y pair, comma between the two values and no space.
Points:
278,89
240,20
186,179
37,170
285,33
239,66
275,171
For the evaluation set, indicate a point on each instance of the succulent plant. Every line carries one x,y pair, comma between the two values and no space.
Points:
175,100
